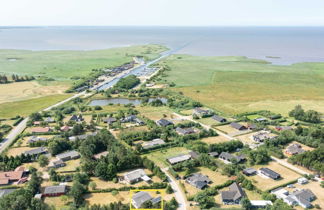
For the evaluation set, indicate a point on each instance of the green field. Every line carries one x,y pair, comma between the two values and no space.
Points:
237,84
26,107
62,65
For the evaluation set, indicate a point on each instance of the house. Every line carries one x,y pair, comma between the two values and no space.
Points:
227,157
303,197
101,154
136,176
201,112
198,180
82,137
153,143
262,136
37,151
163,122
269,173
238,126
37,122
33,139
109,120
260,119
4,192
56,163
70,155
40,130
133,119
294,149
213,154
8,177
249,171
52,191
65,128
283,128
49,120
233,195
179,159
252,126
76,118
280,193
193,154
260,203
302,180
219,118
139,198
185,131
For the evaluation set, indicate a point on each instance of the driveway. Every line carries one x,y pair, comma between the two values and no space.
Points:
179,195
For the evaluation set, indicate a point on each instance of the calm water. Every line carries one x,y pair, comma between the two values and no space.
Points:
123,101
291,44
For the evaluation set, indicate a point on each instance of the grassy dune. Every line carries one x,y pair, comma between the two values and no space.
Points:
238,84
62,65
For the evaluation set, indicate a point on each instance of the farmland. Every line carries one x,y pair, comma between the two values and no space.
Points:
238,84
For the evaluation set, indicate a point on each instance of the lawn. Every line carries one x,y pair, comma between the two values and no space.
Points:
263,183
106,198
62,65
71,165
26,107
215,139
155,113
59,202
15,151
238,84
159,157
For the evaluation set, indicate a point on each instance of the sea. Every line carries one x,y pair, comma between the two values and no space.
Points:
278,45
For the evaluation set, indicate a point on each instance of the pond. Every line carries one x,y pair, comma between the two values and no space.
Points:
123,101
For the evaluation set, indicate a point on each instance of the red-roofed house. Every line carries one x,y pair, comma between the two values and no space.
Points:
40,130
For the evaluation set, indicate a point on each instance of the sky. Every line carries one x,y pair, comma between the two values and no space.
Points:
162,12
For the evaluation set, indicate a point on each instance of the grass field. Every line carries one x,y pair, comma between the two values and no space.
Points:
237,84
26,90
59,202
106,198
215,139
267,183
155,113
26,107
160,157
62,65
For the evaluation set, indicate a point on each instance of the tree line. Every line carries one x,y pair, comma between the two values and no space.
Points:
15,78
308,116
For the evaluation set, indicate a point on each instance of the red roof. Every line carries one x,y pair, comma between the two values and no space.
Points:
65,128
5,177
20,168
40,130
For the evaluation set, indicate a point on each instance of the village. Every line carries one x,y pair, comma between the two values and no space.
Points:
146,147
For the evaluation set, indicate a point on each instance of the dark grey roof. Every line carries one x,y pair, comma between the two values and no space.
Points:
194,154
76,118
185,131
36,151
234,193
4,192
153,143
270,173
237,126
260,119
55,189
219,118
295,149
81,137
198,180
164,122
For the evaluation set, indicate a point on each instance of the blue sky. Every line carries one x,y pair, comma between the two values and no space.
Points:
163,12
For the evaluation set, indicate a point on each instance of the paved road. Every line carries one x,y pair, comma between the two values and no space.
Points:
13,134
290,166
179,195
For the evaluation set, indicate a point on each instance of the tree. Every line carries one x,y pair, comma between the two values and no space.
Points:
169,189
76,192
42,160
93,185
245,202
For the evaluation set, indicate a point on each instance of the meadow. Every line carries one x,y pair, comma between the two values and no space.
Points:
62,65
238,84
